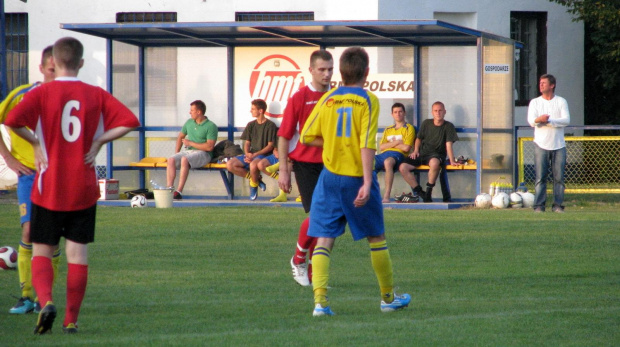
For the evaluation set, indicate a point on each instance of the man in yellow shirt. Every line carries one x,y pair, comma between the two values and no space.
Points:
345,122
21,160
395,144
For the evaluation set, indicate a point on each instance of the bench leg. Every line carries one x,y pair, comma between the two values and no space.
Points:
445,185
229,182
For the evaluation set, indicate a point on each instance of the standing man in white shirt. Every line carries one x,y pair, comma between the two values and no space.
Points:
548,114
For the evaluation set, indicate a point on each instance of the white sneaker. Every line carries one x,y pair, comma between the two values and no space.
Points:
300,273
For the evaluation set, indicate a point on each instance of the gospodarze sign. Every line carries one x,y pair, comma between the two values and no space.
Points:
275,74
497,68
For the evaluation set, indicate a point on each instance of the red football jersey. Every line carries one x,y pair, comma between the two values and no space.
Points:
297,110
66,115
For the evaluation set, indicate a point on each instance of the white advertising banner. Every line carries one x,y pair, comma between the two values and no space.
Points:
274,74
269,73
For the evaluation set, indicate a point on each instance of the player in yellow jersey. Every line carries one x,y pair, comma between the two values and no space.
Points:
21,160
395,145
345,122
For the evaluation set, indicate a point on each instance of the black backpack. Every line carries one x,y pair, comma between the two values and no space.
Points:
226,149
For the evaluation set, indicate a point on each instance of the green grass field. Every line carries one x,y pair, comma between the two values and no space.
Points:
477,278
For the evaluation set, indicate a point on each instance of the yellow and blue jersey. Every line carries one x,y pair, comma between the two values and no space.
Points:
347,119
405,133
20,148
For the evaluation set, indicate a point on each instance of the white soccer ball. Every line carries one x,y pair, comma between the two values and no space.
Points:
8,258
483,201
528,199
516,201
138,201
501,200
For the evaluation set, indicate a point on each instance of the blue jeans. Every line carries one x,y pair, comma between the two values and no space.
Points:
557,159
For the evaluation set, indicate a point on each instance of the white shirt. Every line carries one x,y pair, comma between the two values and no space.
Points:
549,136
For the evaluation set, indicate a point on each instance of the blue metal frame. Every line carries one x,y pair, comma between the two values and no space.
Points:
414,33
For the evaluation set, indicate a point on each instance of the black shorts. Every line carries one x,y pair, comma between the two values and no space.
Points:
422,160
47,226
306,175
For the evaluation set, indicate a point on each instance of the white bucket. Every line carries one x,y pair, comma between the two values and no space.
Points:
163,197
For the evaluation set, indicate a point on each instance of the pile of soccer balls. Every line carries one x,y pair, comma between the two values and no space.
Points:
8,258
503,200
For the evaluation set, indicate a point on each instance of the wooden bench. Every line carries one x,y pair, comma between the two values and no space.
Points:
443,176
160,163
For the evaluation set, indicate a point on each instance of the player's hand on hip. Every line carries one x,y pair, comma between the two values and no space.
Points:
16,166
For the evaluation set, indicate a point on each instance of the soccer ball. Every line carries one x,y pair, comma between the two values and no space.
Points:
528,199
138,201
501,200
483,201
516,201
8,258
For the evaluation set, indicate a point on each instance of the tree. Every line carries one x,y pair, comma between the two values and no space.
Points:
602,57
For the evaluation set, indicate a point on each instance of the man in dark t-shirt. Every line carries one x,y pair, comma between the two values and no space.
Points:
432,145
260,137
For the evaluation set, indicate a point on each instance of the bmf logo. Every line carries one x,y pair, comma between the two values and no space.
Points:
275,79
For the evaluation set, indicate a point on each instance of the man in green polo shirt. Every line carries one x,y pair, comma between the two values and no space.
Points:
194,147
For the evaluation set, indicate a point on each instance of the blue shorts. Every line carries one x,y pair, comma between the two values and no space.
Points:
380,159
24,188
332,208
246,166
272,159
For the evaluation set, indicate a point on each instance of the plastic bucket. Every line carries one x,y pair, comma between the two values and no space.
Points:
163,198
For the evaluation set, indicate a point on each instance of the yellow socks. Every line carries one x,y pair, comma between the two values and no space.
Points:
280,198
253,184
382,264
24,268
273,168
320,274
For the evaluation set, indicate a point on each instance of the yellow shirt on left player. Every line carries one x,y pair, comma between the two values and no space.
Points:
347,119
20,148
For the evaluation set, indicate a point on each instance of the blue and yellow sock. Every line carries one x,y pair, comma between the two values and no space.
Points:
320,274
382,264
24,268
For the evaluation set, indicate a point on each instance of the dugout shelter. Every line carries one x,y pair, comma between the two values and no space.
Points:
157,69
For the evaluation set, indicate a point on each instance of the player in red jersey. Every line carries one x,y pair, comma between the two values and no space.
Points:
71,120
307,160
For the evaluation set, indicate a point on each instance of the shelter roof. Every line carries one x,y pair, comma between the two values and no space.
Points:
287,33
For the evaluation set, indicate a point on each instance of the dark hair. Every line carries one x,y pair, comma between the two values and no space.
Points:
353,65
550,78
260,104
47,53
68,52
320,54
398,104
200,106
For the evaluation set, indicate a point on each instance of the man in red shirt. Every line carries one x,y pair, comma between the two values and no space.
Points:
88,117
307,160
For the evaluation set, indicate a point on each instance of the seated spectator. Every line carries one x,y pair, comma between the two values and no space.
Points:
432,146
260,137
395,144
194,146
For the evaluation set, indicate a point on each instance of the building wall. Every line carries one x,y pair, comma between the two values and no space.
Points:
565,52
565,58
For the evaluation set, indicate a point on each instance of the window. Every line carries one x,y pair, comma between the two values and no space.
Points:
272,16
16,33
529,28
161,62
139,17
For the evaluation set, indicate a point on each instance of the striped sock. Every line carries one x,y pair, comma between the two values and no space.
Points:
382,264
320,275
24,268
